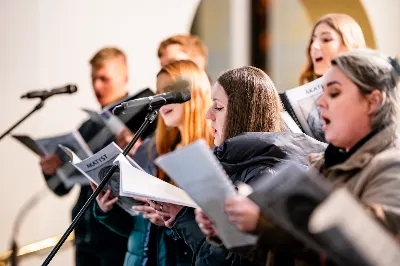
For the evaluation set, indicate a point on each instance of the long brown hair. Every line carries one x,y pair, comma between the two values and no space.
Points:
195,126
349,31
253,102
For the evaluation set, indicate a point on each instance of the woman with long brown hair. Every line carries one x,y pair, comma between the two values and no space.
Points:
249,141
150,242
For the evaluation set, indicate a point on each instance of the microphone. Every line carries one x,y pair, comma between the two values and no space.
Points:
179,93
46,94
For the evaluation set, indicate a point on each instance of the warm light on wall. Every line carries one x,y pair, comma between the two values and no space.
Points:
354,8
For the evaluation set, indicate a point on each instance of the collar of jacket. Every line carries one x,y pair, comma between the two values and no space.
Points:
266,148
362,154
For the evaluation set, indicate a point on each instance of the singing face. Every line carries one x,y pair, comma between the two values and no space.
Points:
217,112
172,114
326,44
109,81
345,112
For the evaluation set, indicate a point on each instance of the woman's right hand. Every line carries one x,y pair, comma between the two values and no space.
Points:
205,224
104,199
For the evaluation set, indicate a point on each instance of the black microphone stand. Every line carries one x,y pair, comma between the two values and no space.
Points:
151,116
37,107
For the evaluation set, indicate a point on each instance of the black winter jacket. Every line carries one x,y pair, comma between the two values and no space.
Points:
244,158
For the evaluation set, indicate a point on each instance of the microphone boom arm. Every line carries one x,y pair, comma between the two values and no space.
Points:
37,107
148,120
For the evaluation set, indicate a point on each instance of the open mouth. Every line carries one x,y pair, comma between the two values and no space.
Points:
319,59
326,121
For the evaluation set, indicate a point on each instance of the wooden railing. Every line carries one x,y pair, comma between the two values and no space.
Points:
33,248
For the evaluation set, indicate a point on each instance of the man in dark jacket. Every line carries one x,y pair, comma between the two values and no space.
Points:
95,243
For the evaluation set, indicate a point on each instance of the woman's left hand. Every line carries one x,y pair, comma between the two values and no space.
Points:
166,210
148,212
243,213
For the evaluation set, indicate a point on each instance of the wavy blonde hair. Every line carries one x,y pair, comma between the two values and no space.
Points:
195,126
349,31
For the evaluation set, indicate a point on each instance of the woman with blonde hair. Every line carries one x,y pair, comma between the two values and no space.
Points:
331,35
150,242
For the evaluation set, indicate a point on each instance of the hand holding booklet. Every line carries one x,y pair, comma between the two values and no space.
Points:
328,219
129,180
196,170
47,146
96,167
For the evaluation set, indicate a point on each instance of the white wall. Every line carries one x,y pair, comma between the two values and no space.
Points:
224,26
385,20
290,30
47,43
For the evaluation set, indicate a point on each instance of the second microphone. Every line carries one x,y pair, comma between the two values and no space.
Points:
180,93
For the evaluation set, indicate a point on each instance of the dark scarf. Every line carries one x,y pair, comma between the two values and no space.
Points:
335,155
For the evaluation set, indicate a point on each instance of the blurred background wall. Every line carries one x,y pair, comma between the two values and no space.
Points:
273,34
47,43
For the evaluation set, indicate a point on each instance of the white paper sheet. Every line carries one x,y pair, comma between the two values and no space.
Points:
136,183
196,170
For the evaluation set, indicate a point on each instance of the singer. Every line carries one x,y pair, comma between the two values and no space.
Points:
178,125
95,243
332,35
245,108
360,111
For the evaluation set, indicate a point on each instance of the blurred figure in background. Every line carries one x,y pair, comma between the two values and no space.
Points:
331,35
96,244
182,47
176,47
150,242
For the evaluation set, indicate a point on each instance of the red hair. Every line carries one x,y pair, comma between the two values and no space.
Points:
195,126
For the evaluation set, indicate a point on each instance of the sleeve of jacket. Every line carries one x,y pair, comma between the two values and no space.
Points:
381,195
116,220
56,185
273,238
186,228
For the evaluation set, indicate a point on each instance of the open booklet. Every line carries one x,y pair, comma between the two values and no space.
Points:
136,183
129,180
301,104
96,167
289,123
107,119
46,146
100,133
326,219
342,213
108,126
196,170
